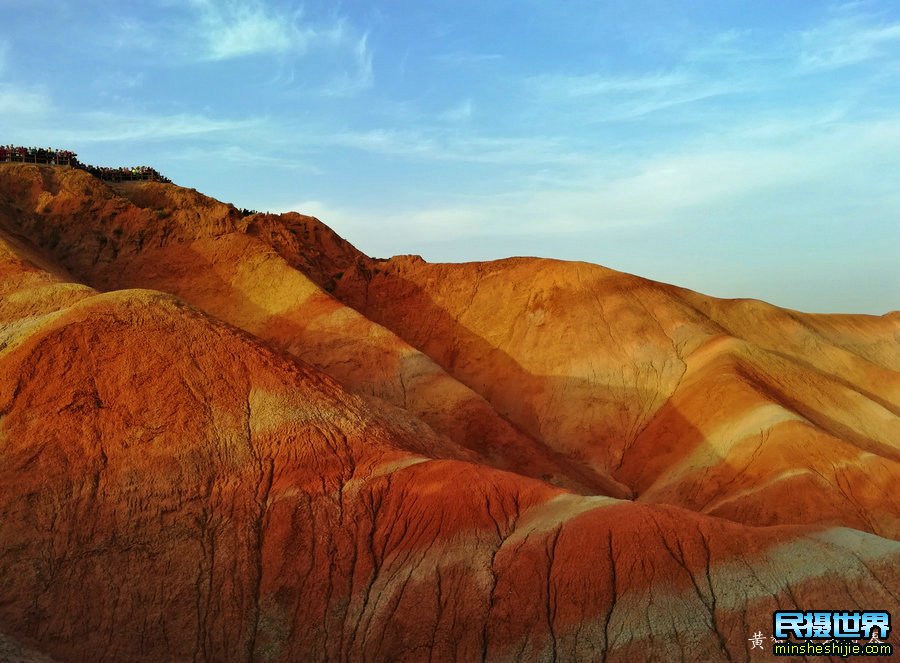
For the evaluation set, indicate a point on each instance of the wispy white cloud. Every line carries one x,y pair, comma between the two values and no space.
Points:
436,144
414,225
211,31
236,29
130,34
849,33
850,38
238,154
230,29
731,46
732,62
20,102
464,58
601,97
4,52
703,181
382,141
458,113
357,75
115,85
68,128
587,85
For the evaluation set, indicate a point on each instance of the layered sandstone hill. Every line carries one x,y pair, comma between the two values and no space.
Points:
733,408
269,276
286,451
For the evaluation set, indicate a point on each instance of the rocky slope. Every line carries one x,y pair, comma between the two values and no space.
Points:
270,276
723,407
239,465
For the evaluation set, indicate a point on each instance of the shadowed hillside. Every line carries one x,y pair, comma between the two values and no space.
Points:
237,438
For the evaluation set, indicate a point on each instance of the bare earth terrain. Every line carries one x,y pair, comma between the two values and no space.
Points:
237,438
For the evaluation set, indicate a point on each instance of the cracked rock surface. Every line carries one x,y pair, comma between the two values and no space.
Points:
228,438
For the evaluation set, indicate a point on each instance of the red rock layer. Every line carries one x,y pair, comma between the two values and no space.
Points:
723,407
268,275
174,488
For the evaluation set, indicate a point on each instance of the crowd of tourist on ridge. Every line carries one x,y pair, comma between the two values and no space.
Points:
51,157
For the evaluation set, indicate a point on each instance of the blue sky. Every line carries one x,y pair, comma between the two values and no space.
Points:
743,149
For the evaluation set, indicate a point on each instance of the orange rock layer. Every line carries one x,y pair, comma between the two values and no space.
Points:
229,438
